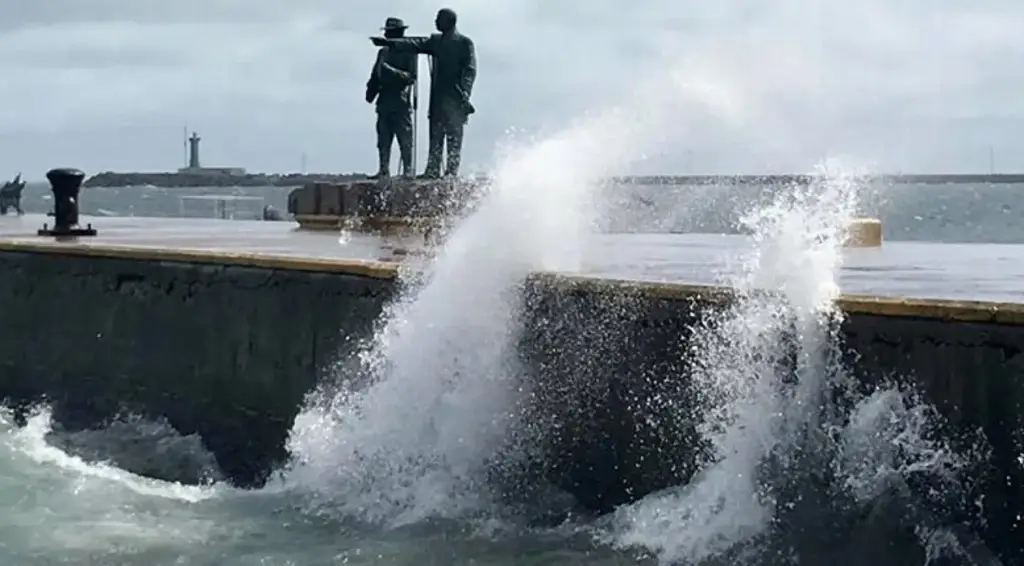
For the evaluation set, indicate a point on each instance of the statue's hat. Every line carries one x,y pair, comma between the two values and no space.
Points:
394,23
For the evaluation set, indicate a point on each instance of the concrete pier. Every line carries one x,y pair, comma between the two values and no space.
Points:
223,327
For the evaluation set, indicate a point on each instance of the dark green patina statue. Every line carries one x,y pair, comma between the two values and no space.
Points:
453,72
392,85
10,195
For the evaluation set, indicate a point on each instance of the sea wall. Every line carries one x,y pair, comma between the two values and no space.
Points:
220,345
968,359
227,346
612,361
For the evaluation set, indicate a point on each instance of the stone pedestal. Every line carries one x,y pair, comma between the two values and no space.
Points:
397,206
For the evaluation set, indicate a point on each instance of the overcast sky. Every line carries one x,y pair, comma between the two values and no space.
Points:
911,85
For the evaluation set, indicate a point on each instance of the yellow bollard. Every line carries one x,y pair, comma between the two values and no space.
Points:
863,233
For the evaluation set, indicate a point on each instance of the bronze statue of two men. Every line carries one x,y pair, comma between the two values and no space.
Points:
392,83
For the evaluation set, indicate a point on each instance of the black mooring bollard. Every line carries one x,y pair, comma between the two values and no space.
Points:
66,183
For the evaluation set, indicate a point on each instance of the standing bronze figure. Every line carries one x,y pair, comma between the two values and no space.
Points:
10,196
391,85
453,74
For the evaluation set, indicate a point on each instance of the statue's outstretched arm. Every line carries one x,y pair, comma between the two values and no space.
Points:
425,45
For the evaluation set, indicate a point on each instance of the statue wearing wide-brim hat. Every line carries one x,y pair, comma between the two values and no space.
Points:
392,87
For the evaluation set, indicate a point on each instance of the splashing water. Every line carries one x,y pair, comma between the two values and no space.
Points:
415,442
767,370
61,508
31,441
796,254
409,434
87,507
884,426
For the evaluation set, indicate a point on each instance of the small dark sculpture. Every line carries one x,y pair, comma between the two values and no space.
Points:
452,75
272,214
10,196
66,183
392,85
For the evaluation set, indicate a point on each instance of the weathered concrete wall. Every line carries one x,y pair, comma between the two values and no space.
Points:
609,369
612,360
227,351
973,370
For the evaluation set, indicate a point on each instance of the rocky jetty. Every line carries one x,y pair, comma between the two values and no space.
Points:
892,179
178,180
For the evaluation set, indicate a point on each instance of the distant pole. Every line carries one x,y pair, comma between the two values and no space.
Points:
991,160
415,116
184,145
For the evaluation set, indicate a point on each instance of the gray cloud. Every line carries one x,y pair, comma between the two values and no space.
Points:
904,84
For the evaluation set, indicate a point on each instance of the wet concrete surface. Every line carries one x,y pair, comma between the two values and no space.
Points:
983,272
986,272
241,236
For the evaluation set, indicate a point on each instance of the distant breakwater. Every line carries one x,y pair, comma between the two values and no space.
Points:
184,180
